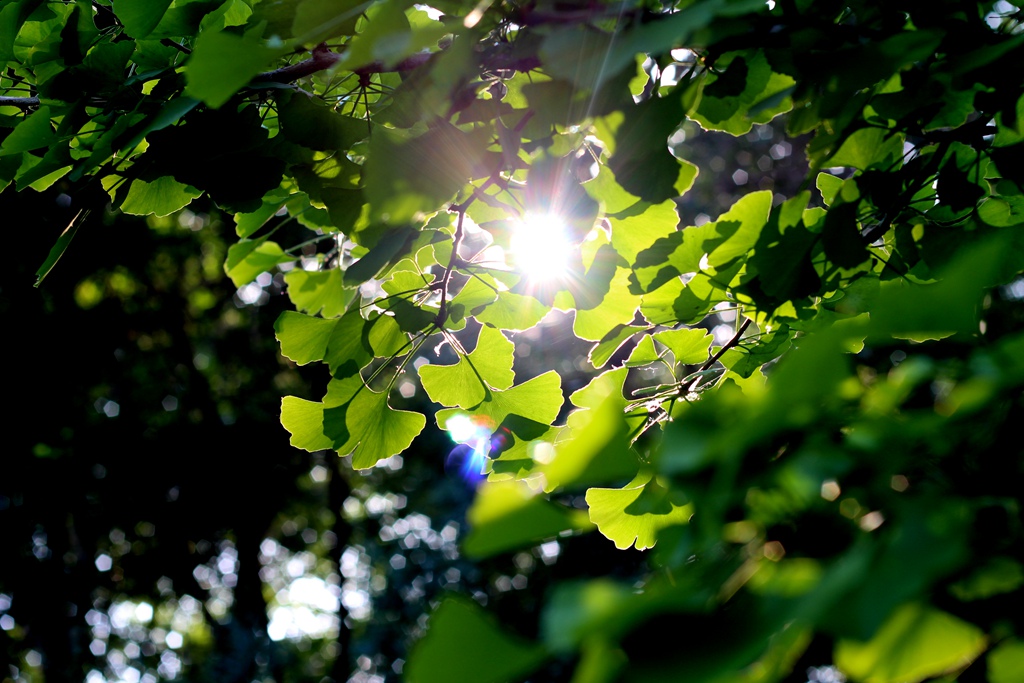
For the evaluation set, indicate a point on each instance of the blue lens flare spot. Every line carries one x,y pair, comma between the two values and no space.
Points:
477,441
466,463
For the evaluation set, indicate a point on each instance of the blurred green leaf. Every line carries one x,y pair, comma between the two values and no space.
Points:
463,643
1006,662
598,451
509,514
917,642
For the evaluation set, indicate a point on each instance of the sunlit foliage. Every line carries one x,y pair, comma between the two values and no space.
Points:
795,385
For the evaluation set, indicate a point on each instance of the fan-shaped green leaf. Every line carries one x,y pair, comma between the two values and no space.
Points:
303,338
223,63
511,311
316,292
532,403
161,197
249,258
351,420
689,346
635,514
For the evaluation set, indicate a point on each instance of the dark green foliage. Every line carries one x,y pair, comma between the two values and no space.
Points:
857,500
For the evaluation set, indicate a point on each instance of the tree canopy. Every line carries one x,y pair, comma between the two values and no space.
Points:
802,403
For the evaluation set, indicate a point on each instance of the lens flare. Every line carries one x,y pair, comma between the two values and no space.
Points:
468,459
541,246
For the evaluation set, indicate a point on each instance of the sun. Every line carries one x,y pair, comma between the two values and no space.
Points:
541,247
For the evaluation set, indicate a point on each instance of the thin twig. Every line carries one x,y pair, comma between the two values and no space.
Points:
442,312
324,58
177,46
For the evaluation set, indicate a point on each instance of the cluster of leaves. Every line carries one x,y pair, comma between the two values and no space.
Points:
413,141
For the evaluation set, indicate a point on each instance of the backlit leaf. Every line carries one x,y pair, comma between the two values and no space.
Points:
635,514
161,197
689,346
249,258
917,642
318,292
508,515
303,338
351,420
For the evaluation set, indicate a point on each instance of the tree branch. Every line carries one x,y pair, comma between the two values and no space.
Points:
22,102
442,312
324,58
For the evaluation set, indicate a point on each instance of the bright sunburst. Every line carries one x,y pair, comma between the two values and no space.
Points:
541,247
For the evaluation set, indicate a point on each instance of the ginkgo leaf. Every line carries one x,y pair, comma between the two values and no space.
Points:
643,353
603,350
351,419
303,338
316,292
508,515
466,383
248,258
916,642
246,224
221,63
474,294
741,226
493,357
511,311
633,231
32,133
618,307
596,452
385,336
457,385
349,344
635,514
534,404
689,346
377,430
161,197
